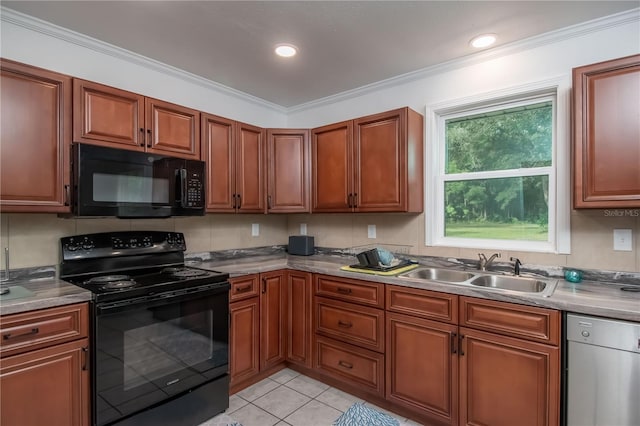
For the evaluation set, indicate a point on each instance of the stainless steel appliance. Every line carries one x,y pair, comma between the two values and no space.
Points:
159,337
116,182
603,379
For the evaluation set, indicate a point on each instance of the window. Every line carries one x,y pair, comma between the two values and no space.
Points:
494,180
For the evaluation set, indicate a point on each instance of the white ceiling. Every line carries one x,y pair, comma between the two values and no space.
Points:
343,44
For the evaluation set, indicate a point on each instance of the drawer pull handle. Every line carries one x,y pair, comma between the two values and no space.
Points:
453,343
243,289
344,290
345,364
461,350
344,324
8,336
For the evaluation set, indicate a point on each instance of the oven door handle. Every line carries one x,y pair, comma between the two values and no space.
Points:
165,298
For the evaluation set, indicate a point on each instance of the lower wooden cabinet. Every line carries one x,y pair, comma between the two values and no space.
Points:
273,318
422,367
257,337
46,387
44,375
506,381
244,355
299,316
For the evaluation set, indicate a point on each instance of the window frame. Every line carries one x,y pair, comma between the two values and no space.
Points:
555,90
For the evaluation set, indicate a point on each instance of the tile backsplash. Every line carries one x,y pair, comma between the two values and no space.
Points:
33,238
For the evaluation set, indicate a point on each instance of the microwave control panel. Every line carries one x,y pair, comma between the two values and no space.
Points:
195,193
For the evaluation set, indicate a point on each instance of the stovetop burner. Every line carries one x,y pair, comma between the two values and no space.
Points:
189,273
119,285
107,279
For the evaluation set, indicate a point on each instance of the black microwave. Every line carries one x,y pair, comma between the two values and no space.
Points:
131,184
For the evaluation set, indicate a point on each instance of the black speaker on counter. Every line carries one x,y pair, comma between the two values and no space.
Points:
301,245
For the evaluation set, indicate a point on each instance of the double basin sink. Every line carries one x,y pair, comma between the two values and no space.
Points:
518,284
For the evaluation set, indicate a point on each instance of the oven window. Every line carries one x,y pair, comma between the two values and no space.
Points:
122,188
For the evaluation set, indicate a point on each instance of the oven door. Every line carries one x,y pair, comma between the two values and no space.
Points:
151,349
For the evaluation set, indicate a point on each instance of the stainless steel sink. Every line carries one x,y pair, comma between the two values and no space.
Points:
520,284
538,286
434,274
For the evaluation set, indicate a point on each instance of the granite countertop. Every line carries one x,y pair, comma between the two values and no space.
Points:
588,297
39,294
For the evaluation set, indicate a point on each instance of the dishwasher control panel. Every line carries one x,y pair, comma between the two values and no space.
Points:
616,334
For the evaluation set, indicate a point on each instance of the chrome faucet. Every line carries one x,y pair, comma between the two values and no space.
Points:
484,262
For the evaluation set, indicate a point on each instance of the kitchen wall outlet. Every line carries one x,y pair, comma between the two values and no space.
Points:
303,229
371,231
622,240
255,229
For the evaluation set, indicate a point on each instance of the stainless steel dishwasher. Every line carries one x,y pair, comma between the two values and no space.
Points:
603,379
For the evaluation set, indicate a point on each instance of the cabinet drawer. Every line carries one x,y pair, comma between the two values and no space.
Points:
363,292
355,366
38,329
526,322
358,325
422,303
243,287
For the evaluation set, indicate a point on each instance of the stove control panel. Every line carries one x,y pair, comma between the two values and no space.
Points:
108,244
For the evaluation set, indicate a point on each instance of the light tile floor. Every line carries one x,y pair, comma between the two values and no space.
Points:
290,398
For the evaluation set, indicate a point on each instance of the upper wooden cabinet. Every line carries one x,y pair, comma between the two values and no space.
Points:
288,171
35,134
104,115
606,107
234,155
371,164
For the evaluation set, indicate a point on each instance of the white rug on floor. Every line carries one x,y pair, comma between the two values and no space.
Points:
359,414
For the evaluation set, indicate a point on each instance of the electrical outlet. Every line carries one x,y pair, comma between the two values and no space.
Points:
622,240
371,231
255,229
303,229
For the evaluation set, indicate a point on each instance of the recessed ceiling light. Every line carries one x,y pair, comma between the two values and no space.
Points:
483,40
286,50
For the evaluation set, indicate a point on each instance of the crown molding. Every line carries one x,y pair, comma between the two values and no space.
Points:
551,37
64,34
43,27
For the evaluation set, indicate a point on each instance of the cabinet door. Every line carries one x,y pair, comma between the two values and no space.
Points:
607,134
35,130
387,152
46,387
287,171
273,318
506,381
332,174
244,340
300,332
218,136
422,367
172,129
107,116
250,164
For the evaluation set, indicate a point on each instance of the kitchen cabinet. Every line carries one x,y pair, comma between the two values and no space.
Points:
509,364
421,358
244,341
348,326
273,318
460,360
35,130
606,134
107,116
257,327
235,159
45,352
288,171
370,164
299,317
